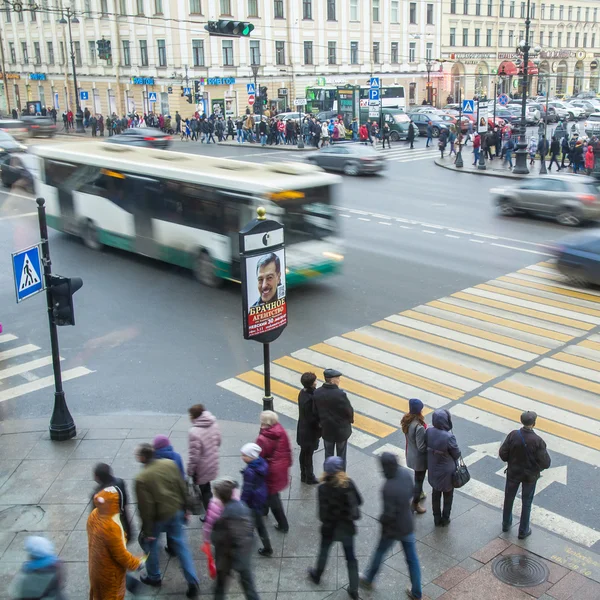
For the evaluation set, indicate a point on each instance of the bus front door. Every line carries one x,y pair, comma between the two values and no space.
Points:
142,191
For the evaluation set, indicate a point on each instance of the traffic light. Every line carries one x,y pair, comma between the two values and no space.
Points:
62,290
104,49
190,99
226,28
263,95
197,98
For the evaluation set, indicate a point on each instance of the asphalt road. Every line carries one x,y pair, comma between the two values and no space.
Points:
153,339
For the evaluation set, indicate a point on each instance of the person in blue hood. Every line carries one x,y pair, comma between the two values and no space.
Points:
163,449
442,454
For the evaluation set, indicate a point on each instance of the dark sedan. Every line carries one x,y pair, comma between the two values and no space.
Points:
142,136
352,159
422,119
578,258
40,126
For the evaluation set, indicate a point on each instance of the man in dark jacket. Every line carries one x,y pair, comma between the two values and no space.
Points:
309,430
554,152
396,523
104,477
410,136
232,537
335,413
526,455
542,148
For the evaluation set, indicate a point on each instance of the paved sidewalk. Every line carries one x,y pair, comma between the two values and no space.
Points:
494,168
45,488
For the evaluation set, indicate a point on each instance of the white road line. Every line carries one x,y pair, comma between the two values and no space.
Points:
284,407
425,231
384,223
523,249
18,195
346,216
456,237
7,337
464,338
380,216
460,231
477,241
570,369
43,382
583,352
18,216
363,219
551,283
371,378
484,235
357,212
399,452
404,227
505,426
22,368
20,350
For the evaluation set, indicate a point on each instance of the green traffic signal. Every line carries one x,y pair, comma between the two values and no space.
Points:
248,28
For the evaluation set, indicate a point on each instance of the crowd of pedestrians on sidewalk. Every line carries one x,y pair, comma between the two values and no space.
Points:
168,493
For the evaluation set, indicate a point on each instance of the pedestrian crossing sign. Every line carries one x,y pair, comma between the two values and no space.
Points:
468,107
27,269
151,96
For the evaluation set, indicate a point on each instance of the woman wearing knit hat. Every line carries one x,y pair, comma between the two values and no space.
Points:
413,427
339,502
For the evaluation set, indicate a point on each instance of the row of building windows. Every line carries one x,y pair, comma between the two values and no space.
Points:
512,10
571,40
225,8
376,56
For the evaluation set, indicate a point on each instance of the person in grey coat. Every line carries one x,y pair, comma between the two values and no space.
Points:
414,426
442,454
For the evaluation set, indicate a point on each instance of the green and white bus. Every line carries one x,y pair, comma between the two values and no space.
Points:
187,209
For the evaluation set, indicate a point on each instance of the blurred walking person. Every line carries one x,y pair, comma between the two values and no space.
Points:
396,524
109,559
232,537
41,576
308,431
203,451
554,152
442,454
414,427
410,136
277,451
104,477
526,455
339,507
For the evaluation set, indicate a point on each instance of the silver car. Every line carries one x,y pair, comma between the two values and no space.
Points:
350,158
570,199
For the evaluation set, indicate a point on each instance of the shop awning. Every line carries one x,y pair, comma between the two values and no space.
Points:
507,68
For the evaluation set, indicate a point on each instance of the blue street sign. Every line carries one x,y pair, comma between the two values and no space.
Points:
374,94
186,92
374,82
84,96
152,96
27,270
503,99
468,107
250,88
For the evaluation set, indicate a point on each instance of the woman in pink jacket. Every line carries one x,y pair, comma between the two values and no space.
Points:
589,159
203,452
277,451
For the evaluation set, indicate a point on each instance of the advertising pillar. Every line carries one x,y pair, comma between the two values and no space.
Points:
264,302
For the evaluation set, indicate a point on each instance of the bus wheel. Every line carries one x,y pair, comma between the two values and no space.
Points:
204,270
89,235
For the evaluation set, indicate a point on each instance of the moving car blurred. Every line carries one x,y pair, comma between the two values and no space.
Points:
570,199
578,258
17,129
39,126
9,144
142,136
592,125
21,170
351,158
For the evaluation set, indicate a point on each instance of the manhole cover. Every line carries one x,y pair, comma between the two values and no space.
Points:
520,570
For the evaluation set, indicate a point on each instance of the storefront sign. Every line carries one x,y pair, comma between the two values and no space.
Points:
471,55
12,76
142,80
556,54
282,92
37,76
217,80
508,56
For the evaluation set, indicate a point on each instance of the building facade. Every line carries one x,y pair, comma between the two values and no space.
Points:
159,47
480,39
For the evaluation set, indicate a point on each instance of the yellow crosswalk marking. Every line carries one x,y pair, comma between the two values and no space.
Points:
438,363
354,387
481,316
393,372
541,275
589,344
492,337
450,344
551,288
529,312
582,384
558,401
544,301
569,433
548,265
289,393
578,360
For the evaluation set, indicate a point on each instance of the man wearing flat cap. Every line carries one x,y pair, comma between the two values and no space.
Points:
526,455
335,413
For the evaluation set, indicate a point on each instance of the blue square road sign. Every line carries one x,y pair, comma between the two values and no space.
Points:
27,270
84,96
374,94
250,88
151,96
468,107
374,82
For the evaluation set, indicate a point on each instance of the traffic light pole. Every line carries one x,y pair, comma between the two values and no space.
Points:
62,426
268,399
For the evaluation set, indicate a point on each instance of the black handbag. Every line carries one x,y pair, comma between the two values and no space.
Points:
195,499
461,475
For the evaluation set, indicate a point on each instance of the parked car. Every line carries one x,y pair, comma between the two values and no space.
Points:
566,110
421,119
20,169
352,159
570,199
588,106
141,136
39,126
294,116
578,258
17,129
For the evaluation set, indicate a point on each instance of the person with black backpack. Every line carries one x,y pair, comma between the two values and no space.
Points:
526,455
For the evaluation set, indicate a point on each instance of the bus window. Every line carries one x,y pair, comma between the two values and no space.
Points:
201,207
56,173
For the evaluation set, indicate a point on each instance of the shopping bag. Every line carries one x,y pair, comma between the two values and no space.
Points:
212,569
462,475
194,498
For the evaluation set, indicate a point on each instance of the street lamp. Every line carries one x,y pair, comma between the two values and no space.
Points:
428,65
458,163
71,18
500,76
524,47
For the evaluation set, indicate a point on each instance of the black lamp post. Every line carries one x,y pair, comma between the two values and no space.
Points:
71,18
428,65
458,163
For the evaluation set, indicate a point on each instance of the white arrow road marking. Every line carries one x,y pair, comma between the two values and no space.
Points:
549,476
481,451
